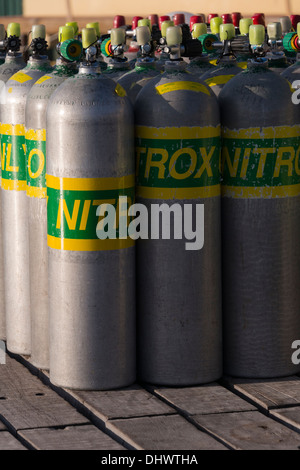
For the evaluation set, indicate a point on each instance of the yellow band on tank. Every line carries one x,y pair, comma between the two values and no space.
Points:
33,191
145,132
88,245
90,184
13,185
179,193
241,192
35,134
12,129
184,85
262,133
218,80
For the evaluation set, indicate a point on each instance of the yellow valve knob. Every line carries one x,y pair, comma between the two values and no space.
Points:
174,35
96,27
227,31
65,33
244,25
215,24
164,26
89,37
117,36
257,34
74,24
14,29
198,30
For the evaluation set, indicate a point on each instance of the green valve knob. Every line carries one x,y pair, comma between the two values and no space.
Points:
215,24
244,25
227,31
164,26
74,24
298,29
65,33
14,29
89,37
274,30
199,29
106,49
95,26
257,34
289,42
207,41
174,35
71,49
145,22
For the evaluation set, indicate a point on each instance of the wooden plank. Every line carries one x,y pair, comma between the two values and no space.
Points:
2,426
9,442
268,393
289,416
38,412
204,399
16,381
86,437
127,402
171,432
249,430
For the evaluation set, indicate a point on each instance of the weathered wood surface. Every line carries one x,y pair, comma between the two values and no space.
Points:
204,399
125,403
237,414
249,430
9,442
84,437
39,412
289,416
163,433
268,393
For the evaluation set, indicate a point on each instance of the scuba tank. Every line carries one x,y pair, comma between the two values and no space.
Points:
179,320
227,66
118,64
133,81
91,275
14,199
100,59
260,220
69,51
277,60
201,64
14,60
162,55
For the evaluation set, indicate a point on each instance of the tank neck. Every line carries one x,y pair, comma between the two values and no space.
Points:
89,69
175,66
145,63
62,66
38,63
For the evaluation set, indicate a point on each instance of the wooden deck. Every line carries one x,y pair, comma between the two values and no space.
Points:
233,414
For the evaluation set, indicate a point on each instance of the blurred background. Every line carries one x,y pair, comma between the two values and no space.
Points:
55,13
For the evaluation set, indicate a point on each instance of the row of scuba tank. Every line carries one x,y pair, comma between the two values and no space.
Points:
96,132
